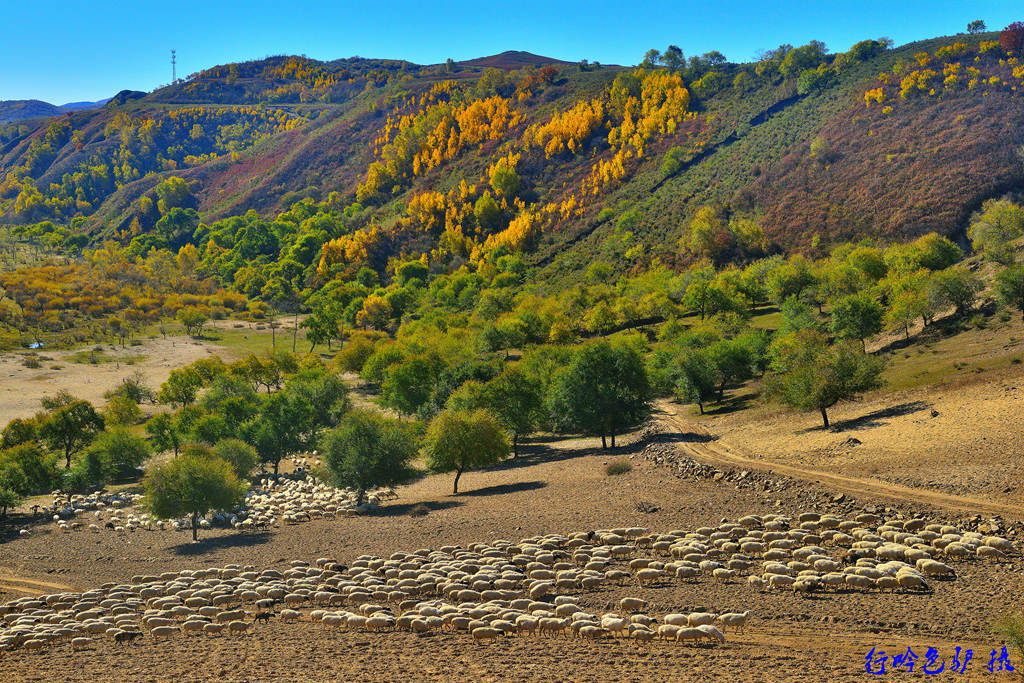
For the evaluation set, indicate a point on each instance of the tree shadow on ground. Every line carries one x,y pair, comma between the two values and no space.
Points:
731,404
505,488
229,540
405,508
875,418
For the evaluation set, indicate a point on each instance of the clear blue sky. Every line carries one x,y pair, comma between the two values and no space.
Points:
62,51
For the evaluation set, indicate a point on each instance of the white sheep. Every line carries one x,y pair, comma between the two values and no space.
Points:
737,620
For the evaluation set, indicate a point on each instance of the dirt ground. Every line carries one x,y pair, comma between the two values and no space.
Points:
22,387
554,487
964,439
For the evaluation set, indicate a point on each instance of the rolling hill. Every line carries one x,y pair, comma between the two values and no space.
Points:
800,149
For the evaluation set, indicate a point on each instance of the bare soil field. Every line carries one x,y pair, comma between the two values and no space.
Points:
555,487
963,439
22,387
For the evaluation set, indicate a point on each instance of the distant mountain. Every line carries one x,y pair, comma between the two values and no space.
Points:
20,110
511,59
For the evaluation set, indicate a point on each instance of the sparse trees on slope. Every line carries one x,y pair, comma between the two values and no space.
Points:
1010,287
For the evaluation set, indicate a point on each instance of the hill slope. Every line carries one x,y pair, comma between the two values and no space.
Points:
607,161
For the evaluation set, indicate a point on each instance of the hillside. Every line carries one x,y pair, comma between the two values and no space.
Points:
20,110
776,155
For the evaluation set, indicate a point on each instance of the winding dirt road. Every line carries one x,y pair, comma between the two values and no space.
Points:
709,449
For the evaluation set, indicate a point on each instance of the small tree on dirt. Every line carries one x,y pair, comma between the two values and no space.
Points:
8,499
192,485
603,390
954,287
367,450
165,432
1010,287
71,428
193,320
515,401
697,377
181,387
808,374
459,440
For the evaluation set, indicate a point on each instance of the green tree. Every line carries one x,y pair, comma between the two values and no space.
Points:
283,427
120,452
1010,287
697,378
458,441
904,308
193,320
122,411
407,385
19,431
515,401
237,453
28,469
603,389
367,450
954,287
192,485
488,213
8,499
181,387
165,432
995,228
808,374
976,26
71,428
857,316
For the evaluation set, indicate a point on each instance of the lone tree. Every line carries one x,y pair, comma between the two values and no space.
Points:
282,427
1010,287
459,440
71,428
808,374
192,484
976,26
367,450
603,389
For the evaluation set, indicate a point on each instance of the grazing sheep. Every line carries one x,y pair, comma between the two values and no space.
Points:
644,576
700,618
263,617
126,637
80,643
675,619
711,633
213,629
737,620
688,634
632,604
669,631
161,632
483,633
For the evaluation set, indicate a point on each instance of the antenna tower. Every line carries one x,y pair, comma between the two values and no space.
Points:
174,67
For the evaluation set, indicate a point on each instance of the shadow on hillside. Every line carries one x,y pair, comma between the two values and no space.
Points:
505,488
230,540
404,508
875,418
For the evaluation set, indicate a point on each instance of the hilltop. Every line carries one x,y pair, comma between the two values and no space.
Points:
20,110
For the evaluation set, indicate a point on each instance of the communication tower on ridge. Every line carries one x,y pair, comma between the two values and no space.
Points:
174,67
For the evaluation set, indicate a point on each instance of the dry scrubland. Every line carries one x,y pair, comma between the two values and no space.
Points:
561,487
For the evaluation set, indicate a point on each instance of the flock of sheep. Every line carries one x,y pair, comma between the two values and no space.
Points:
289,500
501,588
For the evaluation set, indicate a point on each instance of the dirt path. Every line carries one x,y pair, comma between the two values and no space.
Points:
714,451
15,584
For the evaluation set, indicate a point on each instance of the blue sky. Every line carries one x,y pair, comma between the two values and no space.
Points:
62,51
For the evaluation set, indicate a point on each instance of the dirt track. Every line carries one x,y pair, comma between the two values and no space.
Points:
707,448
